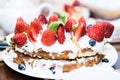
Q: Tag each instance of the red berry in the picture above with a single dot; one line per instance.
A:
(100, 30)
(31, 36)
(96, 32)
(48, 37)
(108, 28)
(66, 6)
(20, 39)
(76, 3)
(42, 19)
(53, 18)
(82, 22)
(21, 26)
(69, 9)
(68, 25)
(61, 35)
(35, 26)
(78, 32)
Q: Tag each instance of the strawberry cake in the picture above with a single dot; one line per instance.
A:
(73, 9)
(58, 45)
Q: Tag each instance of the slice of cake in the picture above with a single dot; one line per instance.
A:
(58, 45)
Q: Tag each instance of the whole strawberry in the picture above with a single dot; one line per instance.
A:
(42, 19)
(108, 28)
(53, 18)
(20, 39)
(48, 37)
(100, 30)
(96, 32)
(21, 26)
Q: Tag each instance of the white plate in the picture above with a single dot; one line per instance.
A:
(110, 51)
(93, 73)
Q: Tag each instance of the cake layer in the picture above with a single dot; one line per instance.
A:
(64, 65)
(64, 55)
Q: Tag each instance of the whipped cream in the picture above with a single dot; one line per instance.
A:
(58, 48)
(55, 48)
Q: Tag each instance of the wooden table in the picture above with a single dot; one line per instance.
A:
(117, 46)
(7, 73)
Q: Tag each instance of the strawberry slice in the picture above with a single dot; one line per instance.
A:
(82, 21)
(108, 28)
(53, 18)
(69, 9)
(68, 25)
(31, 36)
(34, 30)
(35, 26)
(96, 32)
(48, 38)
(21, 26)
(78, 32)
(42, 19)
(20, 39)
(61, 35)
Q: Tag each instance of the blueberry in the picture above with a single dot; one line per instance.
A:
(21, 67)
(105, 60)
(52, 69)
(92, 42)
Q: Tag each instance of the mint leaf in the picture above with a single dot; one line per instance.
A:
(54, 26)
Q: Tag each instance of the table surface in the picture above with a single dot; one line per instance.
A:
(7, 73)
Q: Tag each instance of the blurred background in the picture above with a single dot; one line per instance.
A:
(92, 10)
